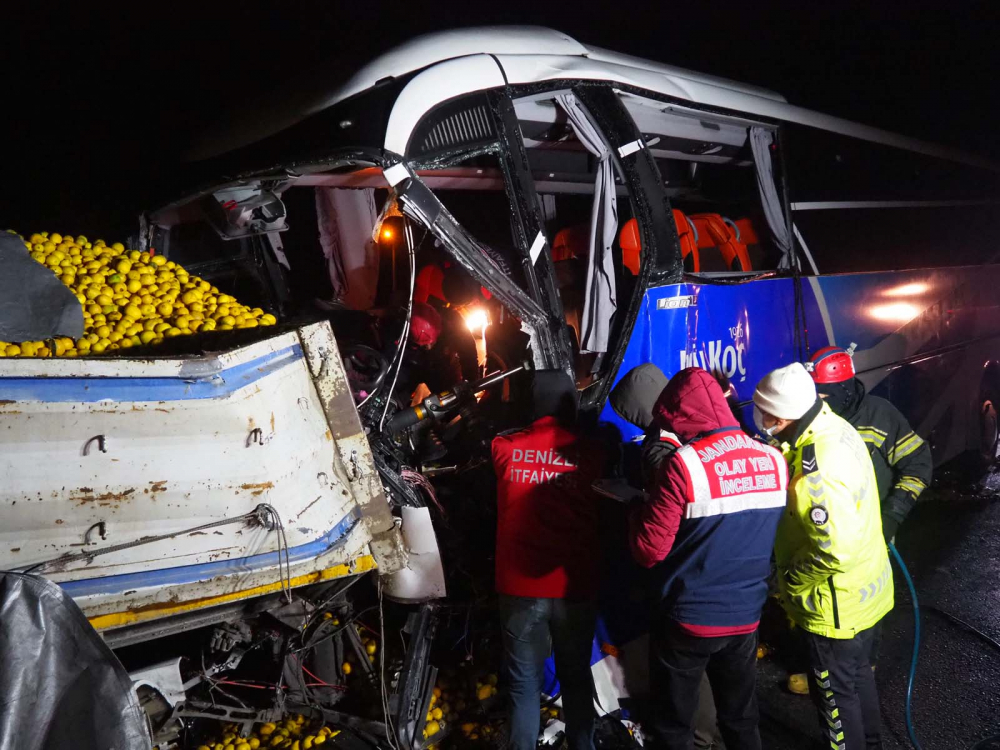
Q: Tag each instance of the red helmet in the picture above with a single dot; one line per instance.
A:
(425, 324)
(832, 364)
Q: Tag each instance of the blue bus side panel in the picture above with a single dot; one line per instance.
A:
(942, 324)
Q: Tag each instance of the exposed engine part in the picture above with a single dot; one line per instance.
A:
(226, 637)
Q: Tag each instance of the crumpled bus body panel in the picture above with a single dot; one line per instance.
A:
(121, 475)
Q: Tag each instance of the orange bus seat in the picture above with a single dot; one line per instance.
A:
(571, 242)
(631, 245)
(715, 231)
(747, 232)
(687, 235)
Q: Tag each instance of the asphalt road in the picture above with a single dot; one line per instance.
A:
(951, 544)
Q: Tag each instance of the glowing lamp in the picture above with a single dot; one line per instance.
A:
(476, 319)
(895, 312)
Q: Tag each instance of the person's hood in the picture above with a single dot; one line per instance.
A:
(635, 394)
(553, 394)
(692, 404)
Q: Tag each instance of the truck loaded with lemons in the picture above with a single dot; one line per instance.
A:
(208, 483)
(199, 478)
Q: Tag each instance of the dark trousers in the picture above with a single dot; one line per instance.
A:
(843, 690)
(676, 665)
(532, 629)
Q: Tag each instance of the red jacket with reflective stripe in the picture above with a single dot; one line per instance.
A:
(709, 525)
(547, 526)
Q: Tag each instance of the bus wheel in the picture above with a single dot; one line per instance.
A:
(989, 430)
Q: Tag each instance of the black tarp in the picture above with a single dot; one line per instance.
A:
(34, 304)
(61, 687)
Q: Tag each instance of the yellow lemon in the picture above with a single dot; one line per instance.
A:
(13, 350)
(208, 325)
(158, 260)
(133, 285)
(227, 320)
(165, 309)
(267, 319)
(146, 336)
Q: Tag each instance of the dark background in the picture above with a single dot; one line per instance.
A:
(101, 102)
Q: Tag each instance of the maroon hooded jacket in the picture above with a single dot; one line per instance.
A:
(711, 518)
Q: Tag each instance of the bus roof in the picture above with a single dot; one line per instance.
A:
(427, 50)
(448, 64)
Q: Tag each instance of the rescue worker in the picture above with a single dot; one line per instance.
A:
(708, 527)
(633, 399)
(546, 568)
(833, 567)
(453, 355)
(902, 460)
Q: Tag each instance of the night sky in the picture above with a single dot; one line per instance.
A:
(102, 103)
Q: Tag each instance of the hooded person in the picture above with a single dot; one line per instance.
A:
(547, 561)
(707, 531)
(833, 567)
(633, 398)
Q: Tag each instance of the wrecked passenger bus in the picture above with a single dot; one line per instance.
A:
(595, 211)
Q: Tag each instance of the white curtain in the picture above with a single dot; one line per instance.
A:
(600, 300)
(760, 143)
(346, 220)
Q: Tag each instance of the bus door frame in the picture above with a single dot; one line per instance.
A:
(660, 261)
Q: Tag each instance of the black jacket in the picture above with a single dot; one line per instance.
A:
(902, 460)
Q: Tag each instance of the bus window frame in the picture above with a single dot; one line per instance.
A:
(781, 173)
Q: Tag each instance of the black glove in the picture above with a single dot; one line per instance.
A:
(889, 527)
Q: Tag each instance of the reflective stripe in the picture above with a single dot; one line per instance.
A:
(705, 505)
(905, 447)
(912, 485)
(736, 504)
(872, 438)
(872, 428)
(696, 473)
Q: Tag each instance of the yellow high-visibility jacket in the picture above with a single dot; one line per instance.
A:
(833, 565)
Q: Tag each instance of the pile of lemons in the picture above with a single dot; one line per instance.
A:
(129, 298)
(452, 697)
(290, 734)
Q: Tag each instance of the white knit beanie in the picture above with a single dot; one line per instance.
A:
(786, 393)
